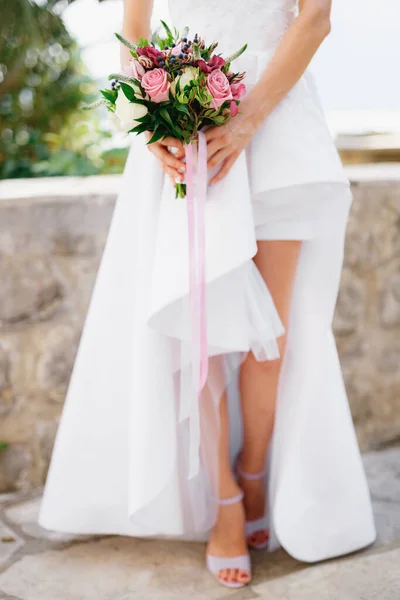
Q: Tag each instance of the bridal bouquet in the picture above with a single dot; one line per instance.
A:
(175, 87)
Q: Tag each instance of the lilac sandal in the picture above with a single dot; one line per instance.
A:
(257, 525)
(215, 564)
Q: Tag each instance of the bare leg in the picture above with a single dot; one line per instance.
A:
(277, 262)
(228, 537)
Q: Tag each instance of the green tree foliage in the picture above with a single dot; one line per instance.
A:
(43, 82)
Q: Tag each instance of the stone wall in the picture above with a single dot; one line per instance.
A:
(52, 235)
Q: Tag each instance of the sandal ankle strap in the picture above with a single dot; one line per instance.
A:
(249, 476)
(233, 500)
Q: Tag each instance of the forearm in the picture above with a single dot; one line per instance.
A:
(136, 24)
(289, 62)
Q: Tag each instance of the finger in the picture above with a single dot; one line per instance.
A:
(226, 167)
(218, 158)
(213, 146)
(214, 132)
(172, 161)
(172, 174)
(169, 159)
(176, 150)
(171, 141)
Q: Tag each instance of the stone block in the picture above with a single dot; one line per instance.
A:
(114, 568)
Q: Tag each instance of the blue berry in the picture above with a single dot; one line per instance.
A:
(184, 39)
(180, 72)
(173, 45)
(180, 55)
(159, 58)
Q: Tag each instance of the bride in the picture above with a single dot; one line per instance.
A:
(267, 456)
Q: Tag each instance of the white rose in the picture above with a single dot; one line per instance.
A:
(127, 112)
(189, 73)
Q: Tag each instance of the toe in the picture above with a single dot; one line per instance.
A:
(258, 538)
(262, 536)
(243, 576)
(223, 575)
(231, 575)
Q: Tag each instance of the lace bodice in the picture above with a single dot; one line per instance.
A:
(259, 23)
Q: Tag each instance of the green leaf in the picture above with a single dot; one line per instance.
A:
(185, 31)
(182, 108)
(108, 95)
(167, 29)
(145, 119)
(126, 43)
(143, 42)
(157, 135)
(236, 54)
(120, 77)
(182, 98)
(196, 52)
(165, 115)
(139, 128)
(93, 105)
(128, 91)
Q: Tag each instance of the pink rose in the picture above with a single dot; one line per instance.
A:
(219, 88)
(156, 84)
(233, 107)
(238, 90)
(134, 69)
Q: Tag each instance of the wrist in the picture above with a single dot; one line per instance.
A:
(250, 108)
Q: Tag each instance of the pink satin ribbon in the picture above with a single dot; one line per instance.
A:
(196, 193)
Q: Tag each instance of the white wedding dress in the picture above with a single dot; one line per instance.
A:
(135, 452)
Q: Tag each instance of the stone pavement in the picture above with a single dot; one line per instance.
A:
(37, 565)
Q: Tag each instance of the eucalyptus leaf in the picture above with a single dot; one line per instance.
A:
(121, 77)
(94, 105)
(236, 54)
(126, 43)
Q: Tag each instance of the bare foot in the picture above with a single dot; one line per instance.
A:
(227, 539)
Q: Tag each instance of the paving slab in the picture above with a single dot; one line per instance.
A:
(383, 472)
(10, 497)
(10, 543)
(114, 569)
(25, 515)
(360, 577)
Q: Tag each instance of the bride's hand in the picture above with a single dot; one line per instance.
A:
(170, 162)
(226, 142)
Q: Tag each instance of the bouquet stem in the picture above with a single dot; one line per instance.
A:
(180, 190)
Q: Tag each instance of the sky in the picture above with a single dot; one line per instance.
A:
(357, 67)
